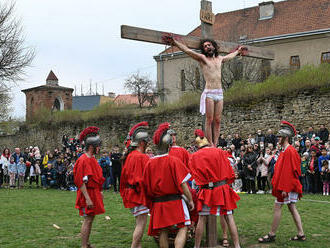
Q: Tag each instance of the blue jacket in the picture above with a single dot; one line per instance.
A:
(105, 162)
(12, 168)
(21, 168)
(16, 157)
(321, 159)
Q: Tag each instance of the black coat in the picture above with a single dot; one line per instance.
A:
(250, 159)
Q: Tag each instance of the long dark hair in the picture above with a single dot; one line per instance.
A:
(3, 153)
(214, 44)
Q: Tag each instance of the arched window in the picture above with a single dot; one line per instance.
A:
(58, 104)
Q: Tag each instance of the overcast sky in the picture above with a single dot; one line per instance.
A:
(80, 39)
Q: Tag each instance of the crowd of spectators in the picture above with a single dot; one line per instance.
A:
(53, 169)
(253, 160)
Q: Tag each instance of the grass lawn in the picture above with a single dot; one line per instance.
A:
(27, 217)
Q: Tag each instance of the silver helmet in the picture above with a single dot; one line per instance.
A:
(163, 137)
(139, 133)
(286, 130)
(94, 141)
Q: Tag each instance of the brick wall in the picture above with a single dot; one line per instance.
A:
(45, 98)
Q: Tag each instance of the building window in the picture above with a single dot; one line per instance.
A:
(197, 78)
(295, 62)
(183, 81)
(325, 57)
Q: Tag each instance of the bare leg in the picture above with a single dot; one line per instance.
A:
(275, 224)
(224, 228)
(233, 230)
(209, 119)
(218, 107)
(296, 218)
(199, 230)
(86, 230)
(181, 237)
(163, 239)
(277, 218)
(141, 221)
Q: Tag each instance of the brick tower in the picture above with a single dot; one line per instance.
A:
(49, 96)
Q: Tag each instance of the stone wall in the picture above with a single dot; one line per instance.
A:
(303, 109)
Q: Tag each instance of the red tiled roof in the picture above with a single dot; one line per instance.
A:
(128, 99)
(291, 16)
(52, 76)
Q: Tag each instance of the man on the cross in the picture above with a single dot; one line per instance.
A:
(212, 98)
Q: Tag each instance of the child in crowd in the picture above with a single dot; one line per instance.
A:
(34, 173)
(238, 183)
(21, 168)
(325, 176)
(304, 166)
(12, 169)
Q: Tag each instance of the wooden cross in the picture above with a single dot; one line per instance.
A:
(153, 36)
(207, 20)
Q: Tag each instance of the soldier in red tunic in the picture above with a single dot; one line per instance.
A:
(89, 179)
(165, 179)
(131, 181)
(212, 172)
(286, 185)
(178, 151)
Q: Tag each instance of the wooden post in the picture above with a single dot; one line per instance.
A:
(207, 33)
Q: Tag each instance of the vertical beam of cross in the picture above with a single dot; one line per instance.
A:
(207, 33)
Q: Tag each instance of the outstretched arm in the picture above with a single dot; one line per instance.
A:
(170, 40)
(241, 50)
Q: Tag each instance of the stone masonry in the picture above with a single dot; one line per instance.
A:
(309, 108)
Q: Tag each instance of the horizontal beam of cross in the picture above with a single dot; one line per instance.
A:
(153, 36)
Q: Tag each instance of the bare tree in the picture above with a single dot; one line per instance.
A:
(14, 56)
(142, 87)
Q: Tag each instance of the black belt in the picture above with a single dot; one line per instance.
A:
(167, 198)
(212, 185)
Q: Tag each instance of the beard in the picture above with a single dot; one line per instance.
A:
(209, 53)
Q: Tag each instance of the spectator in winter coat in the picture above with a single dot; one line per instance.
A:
(12, 169)
(250, 167)
(105, 164)
(323, 134)
(21, 168)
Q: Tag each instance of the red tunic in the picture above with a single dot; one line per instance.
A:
(132, 175)
(286, 173)
(212, 165)
(181, 154)
(89, 167)
(164, 175)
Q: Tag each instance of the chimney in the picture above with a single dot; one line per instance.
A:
(111, 94)
(266, 10)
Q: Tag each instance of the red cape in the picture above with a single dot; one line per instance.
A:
(86, 166)
(164, 175)
(286, 173)
(132, 173)
(212, 165)
(181, 154)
